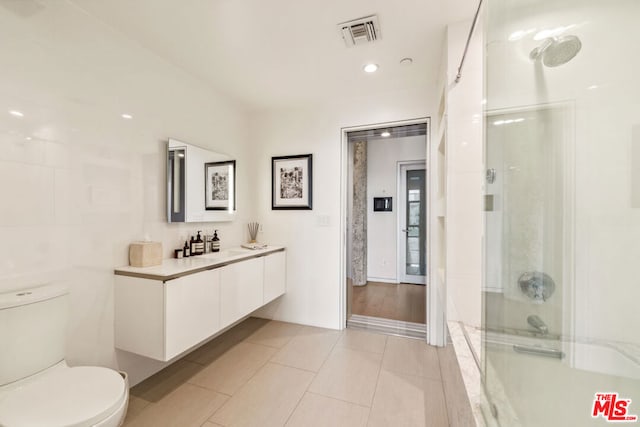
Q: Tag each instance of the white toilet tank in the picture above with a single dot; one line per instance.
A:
(32, 331)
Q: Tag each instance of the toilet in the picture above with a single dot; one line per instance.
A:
(37, 387)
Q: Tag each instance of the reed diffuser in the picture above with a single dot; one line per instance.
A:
(253, 231)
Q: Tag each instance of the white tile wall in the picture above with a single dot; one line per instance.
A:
(87, 182)
(464, 178)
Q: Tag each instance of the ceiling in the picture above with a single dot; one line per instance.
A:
(284, 53)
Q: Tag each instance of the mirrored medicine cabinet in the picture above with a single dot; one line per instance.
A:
(200, 184)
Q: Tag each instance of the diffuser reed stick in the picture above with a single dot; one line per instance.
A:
(253, 231)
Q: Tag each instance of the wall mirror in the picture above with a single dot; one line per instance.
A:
(201, 184)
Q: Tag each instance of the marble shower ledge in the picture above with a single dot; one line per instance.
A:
(174, 268)
(470, 372)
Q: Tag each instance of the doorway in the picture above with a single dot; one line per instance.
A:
(385, 224)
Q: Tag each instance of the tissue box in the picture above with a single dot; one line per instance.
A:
(145, 254)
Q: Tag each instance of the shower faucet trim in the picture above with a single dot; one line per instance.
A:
(535, 321)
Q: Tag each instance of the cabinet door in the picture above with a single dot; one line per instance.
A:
(274, 276)
(241, 289)
(139, 316)
(192, 310)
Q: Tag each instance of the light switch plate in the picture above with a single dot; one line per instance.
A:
(323, 220)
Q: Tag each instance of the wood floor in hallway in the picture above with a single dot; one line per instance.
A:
(402, 301)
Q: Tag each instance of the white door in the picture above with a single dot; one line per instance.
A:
(412, 221)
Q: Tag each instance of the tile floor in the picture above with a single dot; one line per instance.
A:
(268, 373)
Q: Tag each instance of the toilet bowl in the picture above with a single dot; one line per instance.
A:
(63, 396)
(36, 393)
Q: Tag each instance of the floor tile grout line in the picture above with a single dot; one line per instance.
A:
(293, 411)
(267, 345)
(333, 346)
(248, 339)
(444, 393)
(243, 384)
(228, 397)
(239, 388)
(275, 363)
(338, 399)
(315, 375)
(292, 367)
(375, 388)
(212, 390)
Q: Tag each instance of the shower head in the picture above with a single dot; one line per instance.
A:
(556, 51)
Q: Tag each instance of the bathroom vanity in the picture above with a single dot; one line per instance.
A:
(162, 311)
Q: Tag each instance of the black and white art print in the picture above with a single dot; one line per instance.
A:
(219, 186)
(291, 181)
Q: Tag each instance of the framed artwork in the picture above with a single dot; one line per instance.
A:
(220, 186)
(291, 182)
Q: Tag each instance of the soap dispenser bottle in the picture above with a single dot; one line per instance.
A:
(193, 247)
(199, 244)
(215, 242)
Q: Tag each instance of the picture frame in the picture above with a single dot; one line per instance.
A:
(292, 182)
(220, 186)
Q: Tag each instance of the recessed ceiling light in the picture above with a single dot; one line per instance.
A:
(127, 116)
(370, 68)
(592, 87)
(406, 61)
(16, 113)
(28, 138)
(385, 134)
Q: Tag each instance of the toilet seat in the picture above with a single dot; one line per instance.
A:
(71, 397)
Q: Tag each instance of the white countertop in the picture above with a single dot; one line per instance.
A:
(173, 268)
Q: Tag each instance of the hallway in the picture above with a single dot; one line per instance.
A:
(403, 301)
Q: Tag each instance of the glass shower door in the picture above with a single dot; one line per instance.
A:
(562, 213)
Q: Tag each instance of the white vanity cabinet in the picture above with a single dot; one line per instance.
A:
(275, 270)
(161, 312)
(192, 310)
(162, 319)
(241, 290)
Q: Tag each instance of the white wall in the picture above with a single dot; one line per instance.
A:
(313, 257)
(464, 176)
(87, 183)
(600, 84)
(383, 156)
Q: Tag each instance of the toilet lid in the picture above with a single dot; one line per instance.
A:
(72, 397)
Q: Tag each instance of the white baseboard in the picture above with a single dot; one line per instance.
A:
(382, 280)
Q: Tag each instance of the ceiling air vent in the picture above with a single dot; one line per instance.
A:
(360, 31)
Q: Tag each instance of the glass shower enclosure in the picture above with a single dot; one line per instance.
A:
(561, 291)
